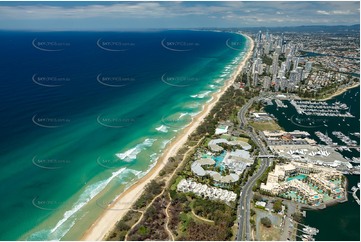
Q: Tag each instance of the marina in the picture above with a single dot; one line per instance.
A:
(345, 139)
(350, 144)
(325, 138)
(347, 213)
(324, 109)
(307, 232)
(280, 104)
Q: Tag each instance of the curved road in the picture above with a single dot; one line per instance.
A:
(244, 228)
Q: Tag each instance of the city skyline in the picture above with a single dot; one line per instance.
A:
(145, 15)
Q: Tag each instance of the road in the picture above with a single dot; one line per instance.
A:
(244, 228)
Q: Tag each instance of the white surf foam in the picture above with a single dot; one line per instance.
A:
(132, 153)
(164, 143)
(162, 128)
(201, 95)
(89, 193)
(182, 115)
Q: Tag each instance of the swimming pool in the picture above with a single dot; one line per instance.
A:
(219, 160)
(298, 177)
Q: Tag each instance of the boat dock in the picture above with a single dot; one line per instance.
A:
(307, 232)
(344, 138)
(280, 104)
(324, 109)
(354, 191)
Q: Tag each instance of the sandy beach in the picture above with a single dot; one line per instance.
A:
(340, 92)
(106, 222)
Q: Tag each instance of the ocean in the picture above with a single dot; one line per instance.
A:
(340, 221)
(86, 114)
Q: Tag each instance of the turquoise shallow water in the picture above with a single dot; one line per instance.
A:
(71, 149)
(298, 177)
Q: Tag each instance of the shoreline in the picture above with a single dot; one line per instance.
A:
(108, 219)
(339, 92)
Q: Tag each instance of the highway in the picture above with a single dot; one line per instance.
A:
(244, 228)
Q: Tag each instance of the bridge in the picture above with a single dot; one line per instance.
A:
(266, 156)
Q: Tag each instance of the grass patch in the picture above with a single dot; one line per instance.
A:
(265, 125)
(269, 234)
(242, 139)
(174, 185)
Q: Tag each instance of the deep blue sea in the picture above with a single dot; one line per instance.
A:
(86, 114)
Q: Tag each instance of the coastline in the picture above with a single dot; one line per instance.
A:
(339, 92)
(108, 219)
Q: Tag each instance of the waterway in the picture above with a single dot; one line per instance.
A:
(340, 221)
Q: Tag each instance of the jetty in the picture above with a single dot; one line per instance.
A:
(354, 191)
(280, 104)
(324, 109)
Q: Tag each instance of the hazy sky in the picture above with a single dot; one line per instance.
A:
(130, 15)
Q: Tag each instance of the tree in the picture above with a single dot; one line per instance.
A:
(123, 226)
(143, 230)
(277, 206)
(297, 217)
(257, 197)
(266, 222)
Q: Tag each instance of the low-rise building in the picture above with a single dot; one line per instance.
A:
(203, 190)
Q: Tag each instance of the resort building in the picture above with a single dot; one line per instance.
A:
(309, 182)
(202, 190)
(221, 129)
(197, 169)
(234, 161)
(213, 144)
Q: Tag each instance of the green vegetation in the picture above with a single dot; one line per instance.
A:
(265, 125)
(150, 227)
(266, 222)
(187, 227)
(277, 206)
(225, 109)
(123, 226)
(297, 217)
(257, 197)
(266, 60)
(152, 189)
(263, 178)
(325, 91)
(184, 208)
